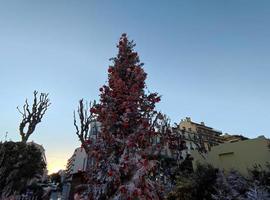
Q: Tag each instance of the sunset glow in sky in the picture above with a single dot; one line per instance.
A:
(208, 59)
(56, 162)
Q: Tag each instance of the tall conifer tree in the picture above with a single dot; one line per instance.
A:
(121, 155)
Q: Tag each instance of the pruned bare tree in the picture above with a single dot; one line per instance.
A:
(86, 117)
(32, 116)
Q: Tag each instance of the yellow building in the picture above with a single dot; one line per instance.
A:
(233, 138)
(207, 136)
(240, 156)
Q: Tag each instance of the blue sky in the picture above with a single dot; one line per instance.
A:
(208, 59)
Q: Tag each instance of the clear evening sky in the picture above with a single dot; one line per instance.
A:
(208, 59)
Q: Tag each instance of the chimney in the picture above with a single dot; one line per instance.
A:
(202, 123)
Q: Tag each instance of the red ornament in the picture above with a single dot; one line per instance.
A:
(145, 124)
(158, 99)
(136, 192)
(110, 70)
(93, 110)
(126, 158)
(88, 141)
(125, 124)
(130, 144)
(123, 189)
(145, 163)
(110, 173)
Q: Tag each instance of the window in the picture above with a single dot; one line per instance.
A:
(225, 154)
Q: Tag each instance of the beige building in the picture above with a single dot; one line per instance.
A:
(190, 141)
(77, 162)
(201, 134)
(233, 138)
(239, 156)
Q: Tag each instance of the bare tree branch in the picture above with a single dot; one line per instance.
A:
(32, 117)
(85, 120)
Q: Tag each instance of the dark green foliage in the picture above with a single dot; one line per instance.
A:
(55, 178)
(186, 165)
(230, 186)
(35, 189)
(261, 176)
(185, 190)
(19, 164)
(233, 186)
(209, 183)
(205, 176)
(256, 192)
(195, 186)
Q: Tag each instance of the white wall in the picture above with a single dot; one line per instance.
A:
(79, 160)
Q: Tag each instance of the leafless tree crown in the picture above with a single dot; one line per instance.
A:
(85, 117)
(32, 116)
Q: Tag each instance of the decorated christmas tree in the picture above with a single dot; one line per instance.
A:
(123, 160)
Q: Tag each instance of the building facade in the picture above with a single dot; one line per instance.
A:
(77, 162)
(205, 136)
(240, 156)
(233, 138)
(196, 136)
(189, 141)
